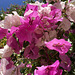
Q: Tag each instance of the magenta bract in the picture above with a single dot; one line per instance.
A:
(65, 62)
(3, 32)
(61, 45)
(49, 70)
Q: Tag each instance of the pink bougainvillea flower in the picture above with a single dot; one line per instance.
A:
(29, 65)
(12, 42)
(31, 7)
(37, 3)
(44, 5)
(52, 34)
(38, 32)
(65, 24)
(2, 23)
(12, 31)
(3, 32)
(47, 23)
(11, 63)
(59, 5)
(13, 70)
(11, 20)
(49, 70)
(61, 45)
(23, 34)
(56, 15)
(3, 70)
(31, 52)
(6, 51)
(28, 13)
(50, 18)
(25, 31)
(70, 11)
(65, 62)
(69, 0)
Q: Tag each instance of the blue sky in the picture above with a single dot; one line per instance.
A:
(6, 3)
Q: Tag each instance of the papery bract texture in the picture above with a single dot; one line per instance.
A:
(71, 11)
(31, 7)
(49, 70)
(12, 42)
(3, 33)
(65, 24)
(25, 31)
(10, 64)
(31, 52)
(2, 24)
(65, 62)
(12, 20)
(60, 5)
(61, 45)
(6, 51)
(13, 70)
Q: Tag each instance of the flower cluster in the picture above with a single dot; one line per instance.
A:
(39, 37)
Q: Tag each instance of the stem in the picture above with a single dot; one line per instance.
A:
(17, 70)
(54, 54)
(47, 55)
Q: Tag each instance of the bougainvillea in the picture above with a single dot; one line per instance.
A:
(41, 41)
